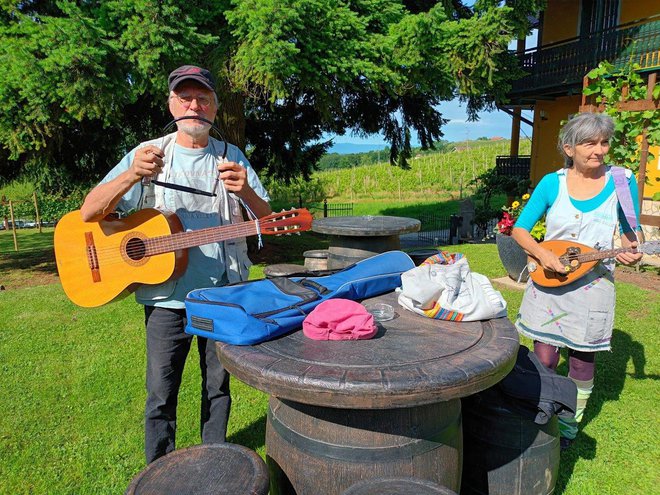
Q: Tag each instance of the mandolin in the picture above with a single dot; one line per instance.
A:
(99, 261)
(578, 260)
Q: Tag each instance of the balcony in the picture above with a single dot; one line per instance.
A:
(557, 69)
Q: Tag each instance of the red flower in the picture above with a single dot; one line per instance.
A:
(505, 226)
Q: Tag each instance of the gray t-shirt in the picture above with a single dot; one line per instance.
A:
(196, 168)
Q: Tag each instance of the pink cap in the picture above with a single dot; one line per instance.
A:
(339, 319)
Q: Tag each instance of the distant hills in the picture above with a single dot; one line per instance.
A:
(351, 148)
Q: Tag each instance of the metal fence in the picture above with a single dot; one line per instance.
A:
(513, 165)
(438, 229)
(566, 62)
(434, 229)
(328, 209)
(337, 209)
(486, 233)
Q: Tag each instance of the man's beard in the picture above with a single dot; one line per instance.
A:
(195, 131)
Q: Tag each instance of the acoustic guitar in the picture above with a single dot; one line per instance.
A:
(99, 261)
(578, 260)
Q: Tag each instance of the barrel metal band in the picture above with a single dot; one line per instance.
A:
(413, 448)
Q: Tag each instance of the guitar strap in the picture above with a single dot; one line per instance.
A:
(623, 194)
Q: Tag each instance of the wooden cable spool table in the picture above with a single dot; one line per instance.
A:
(355, 238)
(344, 411)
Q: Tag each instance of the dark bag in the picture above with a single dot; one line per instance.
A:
(537, 392)
(256, 311)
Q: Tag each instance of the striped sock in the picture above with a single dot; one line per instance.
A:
(584, 389)
(568, 428)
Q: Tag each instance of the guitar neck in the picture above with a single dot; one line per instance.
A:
(184, 240)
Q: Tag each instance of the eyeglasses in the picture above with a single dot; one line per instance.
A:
(202, 100)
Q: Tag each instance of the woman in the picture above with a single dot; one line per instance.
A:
(580, 204)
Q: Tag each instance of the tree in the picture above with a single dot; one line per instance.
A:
(83, 82)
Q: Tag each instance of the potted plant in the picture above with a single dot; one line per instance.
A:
(513, 257)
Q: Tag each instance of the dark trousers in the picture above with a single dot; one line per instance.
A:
(167, 348)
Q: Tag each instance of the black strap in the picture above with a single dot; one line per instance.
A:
(187, 189)
(315, 285)
(178, 187)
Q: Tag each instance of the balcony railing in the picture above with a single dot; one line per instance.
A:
(564, 64)
(513, 165)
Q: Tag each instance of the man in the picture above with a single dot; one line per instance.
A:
(193, 159)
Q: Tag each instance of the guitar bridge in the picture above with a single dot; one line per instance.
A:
(92, 257)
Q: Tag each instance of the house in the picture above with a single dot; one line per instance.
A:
(574, 36)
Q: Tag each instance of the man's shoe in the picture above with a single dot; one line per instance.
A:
(564, 443)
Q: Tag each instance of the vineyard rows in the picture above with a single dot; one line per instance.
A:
(430, 174)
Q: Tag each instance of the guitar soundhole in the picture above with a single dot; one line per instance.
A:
(135, 249)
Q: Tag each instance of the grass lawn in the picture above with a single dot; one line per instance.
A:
(72, 391)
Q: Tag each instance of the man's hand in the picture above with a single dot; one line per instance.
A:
(148, 162)
(234, 176)
(629, 258)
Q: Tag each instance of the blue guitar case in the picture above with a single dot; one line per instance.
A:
(255, 311)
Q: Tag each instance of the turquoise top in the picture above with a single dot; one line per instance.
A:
(546, 192)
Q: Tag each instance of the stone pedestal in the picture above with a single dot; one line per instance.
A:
(513, 257)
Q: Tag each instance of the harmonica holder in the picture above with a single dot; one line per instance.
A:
(148, 180)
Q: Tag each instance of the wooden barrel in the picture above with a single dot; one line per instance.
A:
(504, 452)
(419, 255)
(353, 250)
(214, 469)
(316, 259)
(398, 486)
(336, 448)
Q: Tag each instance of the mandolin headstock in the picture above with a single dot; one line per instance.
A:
(651, 247)
(286, 222)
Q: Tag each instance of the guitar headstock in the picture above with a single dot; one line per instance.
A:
(286, 222)
(651, 247)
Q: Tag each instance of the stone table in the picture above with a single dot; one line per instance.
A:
(355, 238)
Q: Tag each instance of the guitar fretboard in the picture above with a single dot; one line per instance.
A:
(184, 240)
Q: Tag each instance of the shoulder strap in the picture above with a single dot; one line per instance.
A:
(623, 194)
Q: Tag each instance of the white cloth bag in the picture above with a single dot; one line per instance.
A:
(450, 292)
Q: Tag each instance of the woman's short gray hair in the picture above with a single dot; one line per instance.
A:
(581, 128)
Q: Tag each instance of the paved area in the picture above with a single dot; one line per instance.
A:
(508, 283)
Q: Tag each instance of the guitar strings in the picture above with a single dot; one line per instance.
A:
(154, 246)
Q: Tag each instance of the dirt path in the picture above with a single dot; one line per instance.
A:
(646, 279)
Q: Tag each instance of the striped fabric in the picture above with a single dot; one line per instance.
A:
(437, 312)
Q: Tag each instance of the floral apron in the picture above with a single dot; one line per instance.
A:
(579, 315)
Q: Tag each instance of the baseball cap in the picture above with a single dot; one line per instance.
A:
(202, 76)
